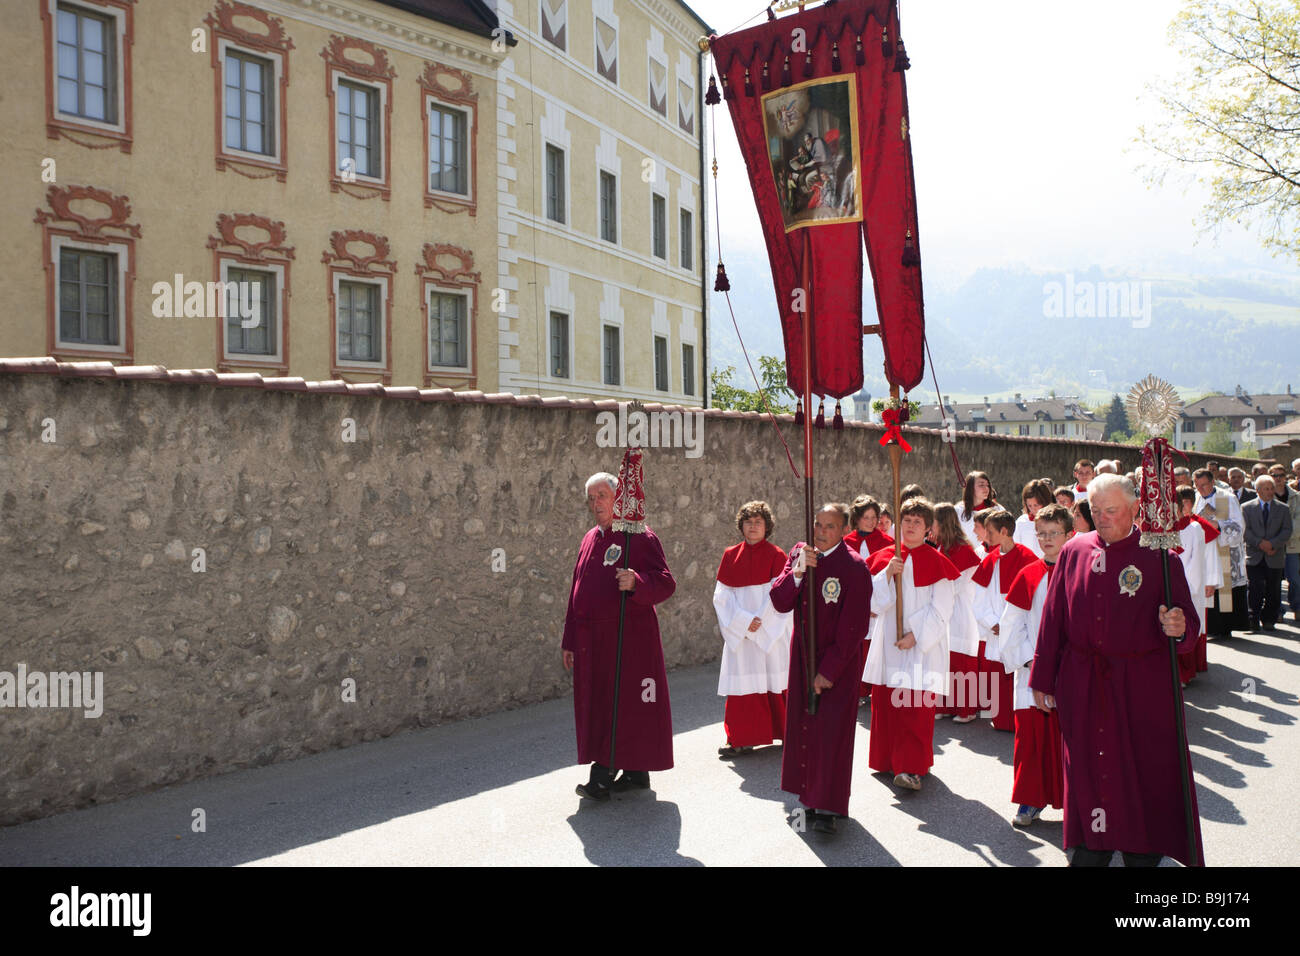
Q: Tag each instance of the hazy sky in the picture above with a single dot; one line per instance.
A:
(1024, 118)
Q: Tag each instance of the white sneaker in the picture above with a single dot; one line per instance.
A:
(908, 781)
(1025, 815)
(964, 720)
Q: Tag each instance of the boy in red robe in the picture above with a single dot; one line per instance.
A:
(866, 539)
(1039, 776)
(756, 638)
(1200, 558)
(817, 762)
(645, 720)
(993, 580)
(909, 671)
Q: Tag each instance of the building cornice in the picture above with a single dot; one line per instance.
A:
(396, 30)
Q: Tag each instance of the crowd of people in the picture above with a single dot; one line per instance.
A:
(1050, 621)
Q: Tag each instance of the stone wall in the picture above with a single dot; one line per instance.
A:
(327, 560)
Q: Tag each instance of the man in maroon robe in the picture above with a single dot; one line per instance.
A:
(645, 721)
(817, 763)
(1102, 661)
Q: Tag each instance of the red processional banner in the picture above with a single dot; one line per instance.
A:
(819, 103)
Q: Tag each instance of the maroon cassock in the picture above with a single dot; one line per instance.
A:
(817, 763)
(645, 720)
(1103, 655)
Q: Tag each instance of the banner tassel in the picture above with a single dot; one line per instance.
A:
(910, 256)
(749, 84)
(722, 283)
(798, 413)
(858, 56)
(901, 62)
(785, 71)
(807, 64)
(835, 57)
(767, 80)
(838, 423)
(820, 420)
(711, 97)
(886, 48)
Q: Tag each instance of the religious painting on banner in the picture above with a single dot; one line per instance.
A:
(811, 131)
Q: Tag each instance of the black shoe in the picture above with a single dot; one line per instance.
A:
(1270, 627)
(822, 822)
(631, 780)
(1254, 624)
(598, 785)
(726, 753)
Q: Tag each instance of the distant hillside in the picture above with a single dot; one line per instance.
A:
(998, 333)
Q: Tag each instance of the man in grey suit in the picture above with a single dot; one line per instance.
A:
(1267, 531)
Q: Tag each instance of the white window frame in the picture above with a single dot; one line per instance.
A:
(694, 368)
(431, 289)
(382, 137)
(655, 339)
(568, 192)
(277, 357)
(618, 207)
(622, 355)
(468, 111)
(123, 253)
(118, 16)
(665, 258)
(569, 358)
(688, 241)
(277, 74)
(381, 333)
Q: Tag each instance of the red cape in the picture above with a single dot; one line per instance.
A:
(876, 540)
(744, 565)
(928, 565)
(1009, 565)
(962, 557)
(1026, 583)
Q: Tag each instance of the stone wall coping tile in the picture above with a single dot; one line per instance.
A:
(287, 383)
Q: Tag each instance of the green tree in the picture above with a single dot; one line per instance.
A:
(1116, 420)
(1218, 438)
(1231, 118)
(728, 395)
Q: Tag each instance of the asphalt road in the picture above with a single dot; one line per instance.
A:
(499, 790)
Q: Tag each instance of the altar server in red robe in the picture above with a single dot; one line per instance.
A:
(756, 637)
(1038, 776)
(866, 539)
(909, 671)
(977, 495)
(645, 721)
(817, 762)
(1204, 572)
(962, 699)
(1103, 663)
(993, 579)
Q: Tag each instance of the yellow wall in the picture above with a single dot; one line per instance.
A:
(176, 191)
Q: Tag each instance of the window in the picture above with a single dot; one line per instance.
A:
(661, 363)
(1189, 426)
(559, 345)
(448, 331)
(1058, 429)
(611, 361)
(1270, 422)
(359, 322)
(86, 54)
(688, 369)
(1023, 430)
(658, 226)
(256, 293)
(554, 183)
(358, 130)
(608, 207)
(687, 239)
(88, 297)
(249, 104)
(990, 429)
(448, 167)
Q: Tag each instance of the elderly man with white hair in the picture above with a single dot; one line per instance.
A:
(1102, 662)
(645, 721)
